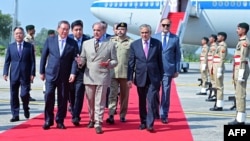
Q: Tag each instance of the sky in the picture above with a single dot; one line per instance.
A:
(47, 13)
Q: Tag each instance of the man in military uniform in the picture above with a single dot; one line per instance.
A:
(51, 33)
(119, 74)
(212, 48)
(203, 65)
(241, 73)
(218, 70)
(30, 30)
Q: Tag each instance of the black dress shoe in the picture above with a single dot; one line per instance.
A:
(110, 120)
(14, 119)
(235, 122)
(150, 129)
(32, 99)
(211, 99)
(142, 126)
(76, 121)
(216, 109)
(91, 124)
(47, 125)
(164, 121)
(199, 93)
(60, 126)
(27, 113)
(98, 130)
(123, 119)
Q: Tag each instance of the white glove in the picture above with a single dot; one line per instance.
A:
(219, 72)
(241, 75)
(203, 67)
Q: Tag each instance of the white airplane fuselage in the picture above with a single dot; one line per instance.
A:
(213, 16)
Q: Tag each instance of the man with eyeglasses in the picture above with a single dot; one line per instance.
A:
(171, 57)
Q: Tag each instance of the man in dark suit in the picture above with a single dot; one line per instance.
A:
(59, 54)
(145, 61)
(171, 57)
(77, 88)
(21, 64)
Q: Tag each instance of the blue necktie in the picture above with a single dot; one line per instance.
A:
(79, 44)
(164, 41)
(20, 49)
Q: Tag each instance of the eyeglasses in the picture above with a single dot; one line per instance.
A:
(167, 25)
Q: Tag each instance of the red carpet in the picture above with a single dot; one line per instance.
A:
(176, 130)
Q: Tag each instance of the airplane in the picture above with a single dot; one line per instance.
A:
(193, 19)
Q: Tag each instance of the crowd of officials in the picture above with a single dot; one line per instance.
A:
(103, 68)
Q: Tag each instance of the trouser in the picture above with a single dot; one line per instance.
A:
(124, 95)
(96, 95)
(62, 100)
(14, 96)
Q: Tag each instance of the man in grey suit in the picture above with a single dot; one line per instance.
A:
(99, 56)
(145, 69)
(171, 57)
(20, 65)
(58, 56)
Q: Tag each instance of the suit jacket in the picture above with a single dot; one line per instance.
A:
(171, 55)
(84, 38)
(58, 66)
(95, 74)
(145, 67)
(21, 67)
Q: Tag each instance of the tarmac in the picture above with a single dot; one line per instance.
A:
(205, 125)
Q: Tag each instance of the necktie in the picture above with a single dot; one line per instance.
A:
(96, 45)
(61, 47)
(20, 49)
(164, 45)
(146, 49)
(79, 44)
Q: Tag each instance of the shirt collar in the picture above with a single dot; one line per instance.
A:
(60, 39)
(164, 34)
(20, 43)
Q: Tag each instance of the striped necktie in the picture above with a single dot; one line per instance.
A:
(96, 45)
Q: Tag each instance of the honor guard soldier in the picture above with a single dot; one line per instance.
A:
(119, 74)
(203, 65)
(218, 70)
(212, 49)
(241, 73)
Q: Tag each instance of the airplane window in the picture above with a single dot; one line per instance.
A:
(130, 4)
(106, 4)
(244, 3)
(136, 4)
(238, 4)
(146, 4)
(220, 3)
(116, 4)
(126, 4)
(157, 4)
(120, 4)
(214, 3)
(152, 4)
(232, 3)
(111, 4)
(141, 4)
(226, 3)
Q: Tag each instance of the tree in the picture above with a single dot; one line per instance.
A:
(5, 25)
